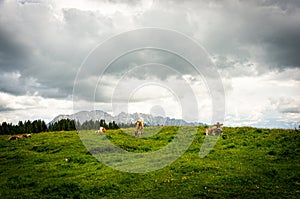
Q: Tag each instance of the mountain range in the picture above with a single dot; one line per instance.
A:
(125, 118)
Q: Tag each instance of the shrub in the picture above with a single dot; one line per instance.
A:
(259, 131)
(224, 136)
(272, 153)
(245, 144)
(258, 145)
(241, 131)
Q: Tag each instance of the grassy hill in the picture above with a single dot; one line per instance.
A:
(245, 163)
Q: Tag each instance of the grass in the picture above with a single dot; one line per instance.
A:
(245, 163)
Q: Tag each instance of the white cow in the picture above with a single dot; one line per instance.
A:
(101, 129)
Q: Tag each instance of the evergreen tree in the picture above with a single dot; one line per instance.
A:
(21, 129)
(44, 126)
(114, 125)
(4, 128)
(28, 126)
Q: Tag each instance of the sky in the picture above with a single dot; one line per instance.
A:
(232, 61)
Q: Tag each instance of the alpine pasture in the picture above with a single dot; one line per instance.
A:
(245, 163)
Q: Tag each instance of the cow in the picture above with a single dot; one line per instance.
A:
(215, 130)
(16, 137)
(101, 129)
(27, 135)
(139, 128)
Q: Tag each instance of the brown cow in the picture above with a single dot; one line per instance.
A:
(215, 130)
(16, 137)
(101, 129)
(139, 128)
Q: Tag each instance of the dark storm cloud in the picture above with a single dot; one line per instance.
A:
(145, 58)
(275, 28)
(43, 44)
(287, 5)
(44, 51)
(12, 51)
(266, 32)
(285, 47)
(48, 50)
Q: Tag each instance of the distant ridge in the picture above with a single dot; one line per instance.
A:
(125, 118)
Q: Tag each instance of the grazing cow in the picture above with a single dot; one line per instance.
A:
(27, 135)
(139, 128)
(16, 137)
(215, 130)
(101, 129)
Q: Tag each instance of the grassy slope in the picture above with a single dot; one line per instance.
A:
(245, 163)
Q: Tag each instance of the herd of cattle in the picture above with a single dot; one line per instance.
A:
(216, 129)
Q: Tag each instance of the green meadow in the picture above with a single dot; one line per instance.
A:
(245, 163)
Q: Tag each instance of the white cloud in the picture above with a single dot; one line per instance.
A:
(32, 107)
(263, 101)
(175, 95)
(254, 44)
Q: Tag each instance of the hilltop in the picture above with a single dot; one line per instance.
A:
(245, 163)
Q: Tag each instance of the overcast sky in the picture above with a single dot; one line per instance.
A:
(45, 47)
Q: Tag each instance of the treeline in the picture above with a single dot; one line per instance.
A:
(25, 127)
(62, 125)
(91, 124)
(38, 126)
(70, 125)
(122, 125)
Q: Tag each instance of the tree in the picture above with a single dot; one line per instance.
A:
(63, 125)
(44, 126)
(4, 128)
(28, 126)
(21, 127)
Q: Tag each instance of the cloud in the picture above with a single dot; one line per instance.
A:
(254, 45)
(12, 52)
(286, 104)
(264, 101)
(266, 33)
(62, 34)
(30, 107)
(131, 93)
(40, 47)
